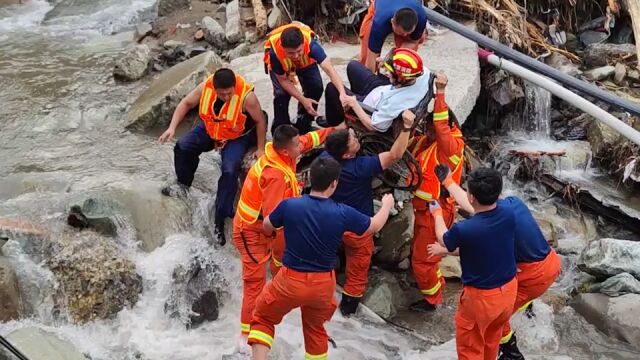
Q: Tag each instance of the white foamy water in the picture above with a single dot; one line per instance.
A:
(23, 17)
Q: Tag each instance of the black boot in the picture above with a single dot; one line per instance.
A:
(349, 304)
(177, 190)
(422, 306)
(510, 351)
(529, 311)
(220, 232)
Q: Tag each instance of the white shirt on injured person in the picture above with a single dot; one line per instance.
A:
(390, 102)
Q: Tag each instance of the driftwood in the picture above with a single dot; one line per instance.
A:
(261, 17)
(536, 154)
(581, 197)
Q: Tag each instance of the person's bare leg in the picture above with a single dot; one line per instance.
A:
(259, 352)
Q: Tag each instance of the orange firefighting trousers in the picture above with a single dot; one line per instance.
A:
(358, 251)
(289, 289)
(533, 280)
(480, 317)
(426, 267)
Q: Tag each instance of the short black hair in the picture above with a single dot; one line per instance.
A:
(337, 143)
(224, 78)
(291, 38)
(324, 171)
(485, 184)
(283, 134)
(406, 18)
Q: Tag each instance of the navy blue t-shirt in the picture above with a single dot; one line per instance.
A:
(354, 186)
(486, 243)
(316, 52)
(384, 12)
(313, 229)
(531, 246)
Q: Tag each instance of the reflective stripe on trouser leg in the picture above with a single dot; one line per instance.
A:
(308, 356)
(260, 337)
(505, 339)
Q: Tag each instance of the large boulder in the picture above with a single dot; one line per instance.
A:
(133, 64)
(384, 296)
(617, 285)
(608, 257)
(548, 230)
(167, 7)
(156, 105)
(95, 279)
(615, 316)
(602, 138)
(233, 26)
(394, 242)
(10, 299)
(37, 344)
(600, 54)
(214, 33)
(275, 18)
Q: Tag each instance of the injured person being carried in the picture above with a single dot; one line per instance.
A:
(401, 84)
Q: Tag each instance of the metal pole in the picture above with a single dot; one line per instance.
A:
(563, 93)
(531, 64)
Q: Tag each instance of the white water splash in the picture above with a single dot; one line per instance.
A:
(27, 16)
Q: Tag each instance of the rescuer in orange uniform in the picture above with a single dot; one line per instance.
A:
(228, 109)
(313, 226)
(485, 243)
(537, 262)
(443, 144)
(269, 181)
(293, 50)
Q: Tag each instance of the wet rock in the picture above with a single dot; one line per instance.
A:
(395, 238)
(240, 50)
(592, 37)
(600, 73)
(602, 138)
(562, 63)
(608, 257)
(577, 155)
(30, 236)
(504, 89)
(10, 297)
(173, 44)
(199, 289)
(214, 33)
(251, 37)
(548, 230)
(634, 75)
(275, 18)
(143, 30)
(133, 64)
(450, 267)
(37, 344)
(620, 73)
(233, 26)
(167, 7)
(101, 215)
(617, 285)
(9, 2)
(155, 106)
(95, 279)
(613, 316)
(384, 296)
(574, 129)
(599, 54)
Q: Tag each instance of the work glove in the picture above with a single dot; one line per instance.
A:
(443, 173)
(435, 209)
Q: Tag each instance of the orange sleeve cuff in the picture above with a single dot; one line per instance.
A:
(440, 104)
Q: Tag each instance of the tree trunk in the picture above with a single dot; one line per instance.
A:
(261, 17)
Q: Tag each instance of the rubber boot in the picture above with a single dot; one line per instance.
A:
(510, 351)
(422, 306)
(220, 232)
(349, 305)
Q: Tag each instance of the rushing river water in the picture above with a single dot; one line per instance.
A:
(62, 137)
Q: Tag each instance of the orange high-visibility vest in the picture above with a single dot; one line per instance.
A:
(250, 203)
(429, 189)
(229, 123)
(274, 42)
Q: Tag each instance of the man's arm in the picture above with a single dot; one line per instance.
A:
(365, 119)
(187, 103)
(447, 143)
(267, 226)
(289, 87)
(275, 219)
(333, 76)
(443, 173)
(253, 108)
(388, 158)
(313, 139)
(380, 218)
(371, 63)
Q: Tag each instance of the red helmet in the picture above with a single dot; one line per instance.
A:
(404, 63)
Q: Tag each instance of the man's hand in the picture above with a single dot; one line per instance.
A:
(349, 101)
(167, 136)
(435, 209)
(442, 171)
(259, 152)
(308, 103)
(437, 250)
(388, 201)
(343, 99)
(441, 81)
(341, 126)
(408, 117)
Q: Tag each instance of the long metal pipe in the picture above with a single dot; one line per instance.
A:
(531, 64)
(563, 93)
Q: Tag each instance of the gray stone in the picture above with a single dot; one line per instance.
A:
(608, 257)
(30, 236)
(143, 29)
(600, 54)
(395, 238)
(155, 106)
(133, 64)
(617, 285)
(251, 37)
(562, 63)
(620, 73)
(600, 73)
(10, 298)
(616, 317)
(633, 74)
(592, 37)
(275, 18)
(37, 344)
(450, 267)
(233, 26)
(384, 295)
(577, 155)
(173, 44)
(240, 50)
(548, 230)
(167, 7)
(214, 33)
(602, 138)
